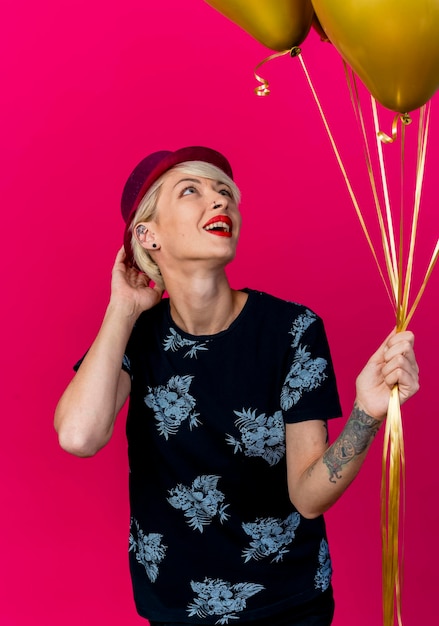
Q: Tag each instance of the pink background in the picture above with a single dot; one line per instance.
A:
(88, 88)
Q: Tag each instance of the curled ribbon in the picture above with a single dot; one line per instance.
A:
(404, 118)
(263, 89)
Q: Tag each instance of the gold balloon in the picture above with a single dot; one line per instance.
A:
(278, 24)
(392, 45)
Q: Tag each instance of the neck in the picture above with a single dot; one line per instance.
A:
(204, 305)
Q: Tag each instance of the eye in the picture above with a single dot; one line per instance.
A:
(226, 192)
(188, 191)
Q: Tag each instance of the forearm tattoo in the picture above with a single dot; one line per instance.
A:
(357, 435)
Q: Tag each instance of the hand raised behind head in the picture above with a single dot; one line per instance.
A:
(393, 363)
(131, 289)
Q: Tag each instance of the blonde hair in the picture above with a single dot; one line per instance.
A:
(147, 210)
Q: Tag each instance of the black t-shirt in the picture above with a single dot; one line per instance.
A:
(214, 538)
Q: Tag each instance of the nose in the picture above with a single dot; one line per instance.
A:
(220, 202)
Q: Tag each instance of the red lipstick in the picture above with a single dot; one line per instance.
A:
(220, 225)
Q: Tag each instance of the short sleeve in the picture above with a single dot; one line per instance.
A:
(126, 363)
(309, 390)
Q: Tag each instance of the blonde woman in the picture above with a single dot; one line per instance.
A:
(229, 394)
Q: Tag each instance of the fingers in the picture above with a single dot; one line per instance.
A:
(395, 339)
(121, 255)
(135, 278)
(395, 344)
(132, 276)
(400, 347)
(393, 363)
(119, 266)
(400, 371)
(400, 366)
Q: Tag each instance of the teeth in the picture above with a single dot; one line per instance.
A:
(217, 225)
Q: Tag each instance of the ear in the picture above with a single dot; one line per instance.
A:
(146, 236)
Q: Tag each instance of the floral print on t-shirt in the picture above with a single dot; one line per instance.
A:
(200, 502)
(270, 536)
(149, 549)
(174, 341)
(323, 576)
(218, 597)
(260, 435)
(172, 405)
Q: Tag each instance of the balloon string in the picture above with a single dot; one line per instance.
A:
(433, 261)
(343, 169)
(393, 477)
(404, 118)
(424, 123)
(401, 314)
(356, 104)
(393, 439)
(264, 89)
(393, 263)
(393, 472)
(392, 481)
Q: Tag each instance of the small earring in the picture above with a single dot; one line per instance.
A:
(154, 245)
(140, 230)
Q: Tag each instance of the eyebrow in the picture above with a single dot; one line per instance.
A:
(184, 180)
(196, 180)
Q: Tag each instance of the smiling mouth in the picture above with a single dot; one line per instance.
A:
(220, 225)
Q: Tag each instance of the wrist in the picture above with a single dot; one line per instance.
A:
(122, 312)
(368, 412)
